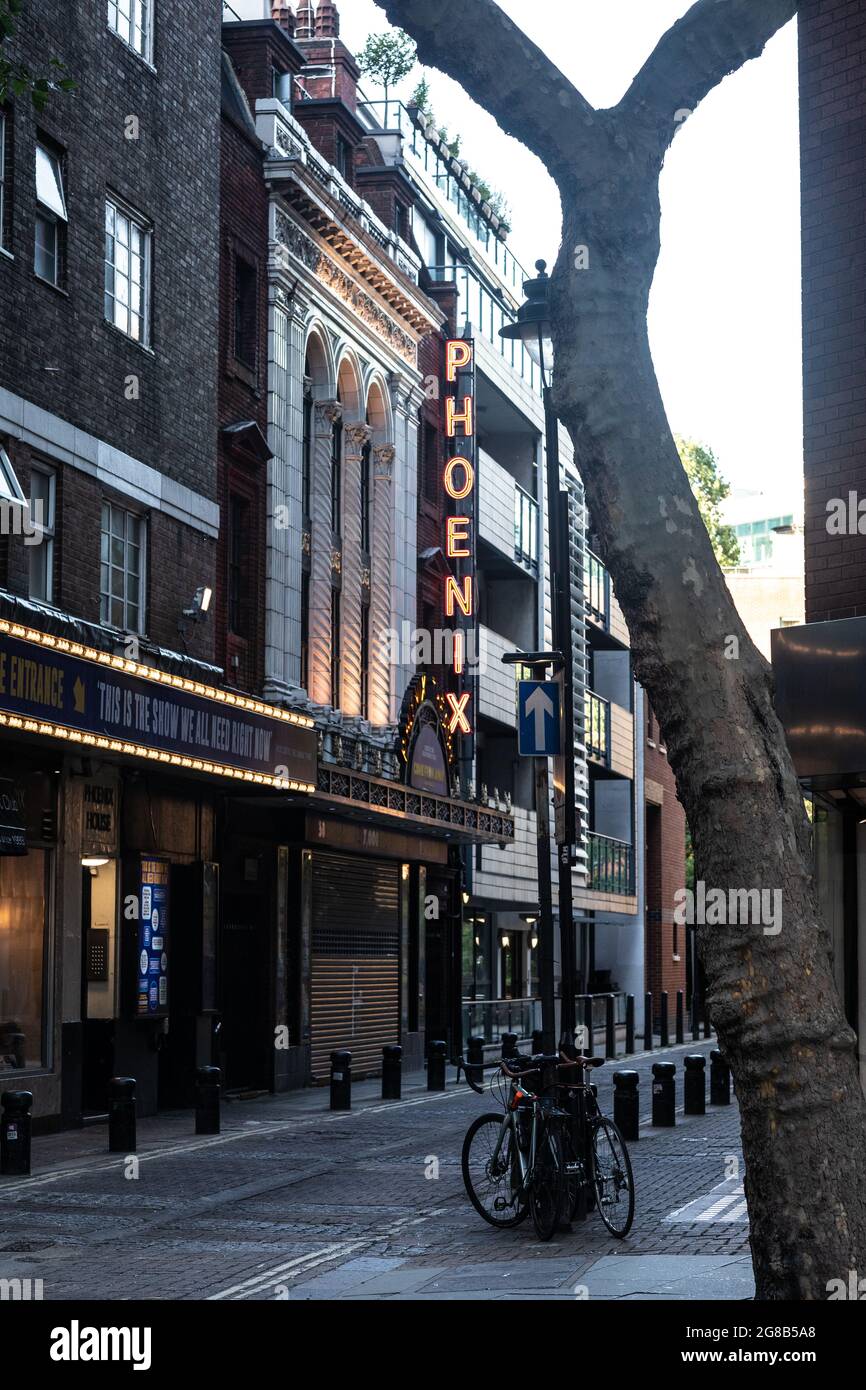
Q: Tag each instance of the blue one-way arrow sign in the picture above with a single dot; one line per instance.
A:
(538, 719)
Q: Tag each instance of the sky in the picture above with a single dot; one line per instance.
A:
(725, 322)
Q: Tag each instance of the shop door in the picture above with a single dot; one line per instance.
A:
(355, 979)
(99, 981)
(245, 979)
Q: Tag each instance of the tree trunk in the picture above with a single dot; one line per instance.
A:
(772, 994)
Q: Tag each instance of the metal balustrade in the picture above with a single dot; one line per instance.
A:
(610, 865)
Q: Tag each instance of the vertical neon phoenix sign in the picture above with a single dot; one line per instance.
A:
(459, 481)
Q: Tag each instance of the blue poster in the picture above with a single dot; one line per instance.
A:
(153, 915)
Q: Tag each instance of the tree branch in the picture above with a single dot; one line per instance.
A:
(714, 38)
(476, 43)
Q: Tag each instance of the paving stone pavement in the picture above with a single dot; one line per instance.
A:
(295, 1201)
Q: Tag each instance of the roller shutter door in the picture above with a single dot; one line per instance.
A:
(355, 965)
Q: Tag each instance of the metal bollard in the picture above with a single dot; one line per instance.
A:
(609, 1028)
(15, 1129)
(681, 1017)
(696, 1018)
(720, 1079)
(121, 1115)
(475, 1053)
(436, 1066)
(392, 1071)
(629, 1023)
(626, 1102)
(665, 1025)
(207, 1100)
(509, 1044)
(589, 1026)
(341, 1080)
(647, 1023)
(664, 1095)
(695, 1084)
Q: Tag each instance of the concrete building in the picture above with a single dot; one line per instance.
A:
(768, 583)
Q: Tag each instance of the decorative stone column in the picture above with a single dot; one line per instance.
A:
(326, 414)
(286, 338)
(381, 606)
(355, 436)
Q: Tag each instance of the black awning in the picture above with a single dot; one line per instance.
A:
(12, 837)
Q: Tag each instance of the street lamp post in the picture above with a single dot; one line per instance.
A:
(533, 328)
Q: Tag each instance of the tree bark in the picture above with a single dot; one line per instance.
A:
(772, 996)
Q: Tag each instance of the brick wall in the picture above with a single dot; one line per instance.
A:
(833, 138)
(155, 403)
(169, 175)
(243, 396)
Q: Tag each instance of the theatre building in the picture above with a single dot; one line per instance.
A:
(321, 388)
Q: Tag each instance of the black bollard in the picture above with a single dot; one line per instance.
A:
(121, 1115)
(392, 1071)
(341, 1080)
(626, 1103)
(475, 1053)
(664, 1095)
(15, 1133)
(696, 1018)
(629, 1024)
(695, 1084)
(589, 1026)
(720, 1079)
(609, 1027)
(665, 1026)
(509, 1044)
(537, 1041)
(436, 1066)
(207, 1100)
(648, 1023)
(681, 1017)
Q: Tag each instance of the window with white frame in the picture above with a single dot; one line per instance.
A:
(10, 488)
(132, 21)
(127, 271)
(121, 571)
(51, 216)
(42, 512)
(3, 180)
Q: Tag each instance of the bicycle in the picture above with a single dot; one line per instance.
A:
(542, 1160)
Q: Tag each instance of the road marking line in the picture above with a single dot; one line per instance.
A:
(292, 1269)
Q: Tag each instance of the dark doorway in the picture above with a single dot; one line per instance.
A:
(245, 967)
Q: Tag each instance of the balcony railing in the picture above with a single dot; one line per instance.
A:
(610, 865)
(597, 727)
(597, 586)
(394, 116)
(525, 529)
(487, 313)
(490, 1018)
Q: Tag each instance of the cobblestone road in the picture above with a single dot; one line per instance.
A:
(293, 1201)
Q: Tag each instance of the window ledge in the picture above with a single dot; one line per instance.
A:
(8, 254)
(58, 289)
(128, 48)
(125, 337)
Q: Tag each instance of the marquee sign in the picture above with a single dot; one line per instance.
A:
(61, 689)
(459, 481)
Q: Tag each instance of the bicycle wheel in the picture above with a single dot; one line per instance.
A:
(493, 1188)
(612, 1177)
(546, 1192)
